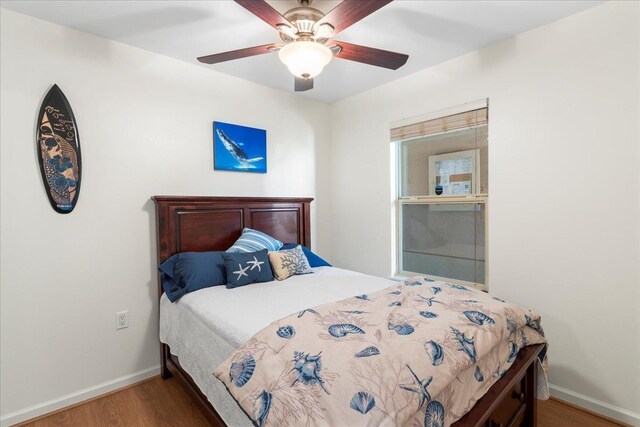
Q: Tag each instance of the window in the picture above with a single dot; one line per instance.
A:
(442, 192)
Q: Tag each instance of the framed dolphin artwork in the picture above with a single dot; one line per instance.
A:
(239, 148)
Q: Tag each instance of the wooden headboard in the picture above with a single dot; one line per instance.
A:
(186, 223)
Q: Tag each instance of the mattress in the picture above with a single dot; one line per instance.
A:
(205, 327)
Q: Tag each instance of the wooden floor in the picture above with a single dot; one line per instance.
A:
(164, 403)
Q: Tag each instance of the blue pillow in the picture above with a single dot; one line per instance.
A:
(253, 241)
(243, 269)
(314, 260)
(189, 271)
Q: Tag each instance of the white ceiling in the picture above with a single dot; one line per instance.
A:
(431, 32)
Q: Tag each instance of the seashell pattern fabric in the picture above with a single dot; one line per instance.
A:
(286, 332)
(367, 361)
(241, 370)
(434, 351)
(343, 329)
(363, 402)
(368, 352)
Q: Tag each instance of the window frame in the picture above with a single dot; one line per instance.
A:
(399, 201)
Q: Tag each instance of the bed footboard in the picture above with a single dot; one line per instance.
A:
(512, 400)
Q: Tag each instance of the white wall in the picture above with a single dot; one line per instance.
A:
(145, 129)
(564, 162)
(563, 110)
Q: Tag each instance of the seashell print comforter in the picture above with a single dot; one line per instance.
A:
(417, 353)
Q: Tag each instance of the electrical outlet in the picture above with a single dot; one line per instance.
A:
(122, 320)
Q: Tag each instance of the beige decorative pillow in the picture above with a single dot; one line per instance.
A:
(288, 262)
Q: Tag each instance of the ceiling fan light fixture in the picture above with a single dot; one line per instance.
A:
(305, 59)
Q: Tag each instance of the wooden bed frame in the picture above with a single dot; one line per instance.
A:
(186, 223)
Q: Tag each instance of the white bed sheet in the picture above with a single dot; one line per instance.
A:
(205, 327)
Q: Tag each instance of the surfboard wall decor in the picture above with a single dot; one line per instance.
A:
(58, 145)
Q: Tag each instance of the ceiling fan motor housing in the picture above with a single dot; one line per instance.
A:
(304, 19)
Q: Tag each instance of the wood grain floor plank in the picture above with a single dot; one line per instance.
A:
(555, 413)
(108, 411)
(158, 403)
(149, 396)
(168, 400)
(79, 415)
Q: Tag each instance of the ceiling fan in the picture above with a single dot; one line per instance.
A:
(307, 35)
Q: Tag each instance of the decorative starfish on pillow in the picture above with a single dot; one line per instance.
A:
(255, 263)
(241, 272)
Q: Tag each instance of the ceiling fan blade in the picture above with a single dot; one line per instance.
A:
(349, 12)
(302, 85)
(370, 55)
(240, 53)
(264, 11)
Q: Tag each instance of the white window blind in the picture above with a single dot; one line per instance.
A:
(453, 122)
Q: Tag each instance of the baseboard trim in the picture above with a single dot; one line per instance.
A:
(76, 397)
(595, 405)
